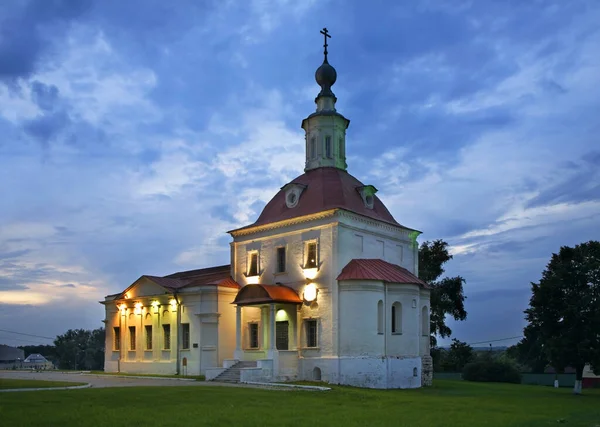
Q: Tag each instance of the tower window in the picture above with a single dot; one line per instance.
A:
(328, 147)
(311, 255)
(313, 148)
(253, 264)
(341, 147)
(281, 259)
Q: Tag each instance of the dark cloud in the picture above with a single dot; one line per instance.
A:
(45, 96)
(29, 28)
(47, 127)
(581, 183)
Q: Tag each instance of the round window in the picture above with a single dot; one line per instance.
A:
(369, 200)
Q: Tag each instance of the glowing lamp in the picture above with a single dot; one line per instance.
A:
(122, 308)
(173, 303)
(127, 295)
(310, 292)
(138, 308)
(155, 305)
(310, 273)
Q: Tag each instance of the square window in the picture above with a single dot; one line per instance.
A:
(281, 259)
(117, 338)
(185, 335)
(311, 333)
(253, 264)
(148, 329)
(167, 337)
(311, 255)
(132, 338)
(253, 330)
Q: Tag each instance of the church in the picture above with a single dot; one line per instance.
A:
(323, 286)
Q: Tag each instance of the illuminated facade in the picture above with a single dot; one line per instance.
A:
(323, 286)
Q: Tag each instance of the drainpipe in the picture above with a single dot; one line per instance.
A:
(120, 341)
(178, 332)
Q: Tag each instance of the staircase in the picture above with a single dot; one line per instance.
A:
(232, 375)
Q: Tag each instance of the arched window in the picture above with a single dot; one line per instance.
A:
(328, 147)
(396, 318)
(380, 317)
(313, 147)
(425, 321)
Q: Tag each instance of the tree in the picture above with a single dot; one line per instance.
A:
(565, 309)
(80, 349)
(529, 352)
(458, 356)
(447, 295)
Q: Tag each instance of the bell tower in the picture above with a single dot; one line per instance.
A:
(326, 128)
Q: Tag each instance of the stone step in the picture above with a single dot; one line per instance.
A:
(232, 374)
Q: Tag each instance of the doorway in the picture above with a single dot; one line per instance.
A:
(282, 335)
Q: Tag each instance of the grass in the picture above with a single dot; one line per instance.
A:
(8, 383)
(448, 404)
(188, 377)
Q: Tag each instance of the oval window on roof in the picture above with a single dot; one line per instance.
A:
(291, 199)
(369, 201)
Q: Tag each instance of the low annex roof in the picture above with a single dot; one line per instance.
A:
(378, 269)
(265, 294)
(215, 276)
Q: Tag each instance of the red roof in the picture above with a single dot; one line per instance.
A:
(211, 276)
(326, 188)
(378, 269)
(265, 294)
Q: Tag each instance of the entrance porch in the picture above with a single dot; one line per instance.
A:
(267, 332)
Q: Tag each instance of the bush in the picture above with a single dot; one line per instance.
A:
(491, 371)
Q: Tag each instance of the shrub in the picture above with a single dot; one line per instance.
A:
(491, 371)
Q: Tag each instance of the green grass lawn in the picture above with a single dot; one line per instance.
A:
(8, 383)
(448, 404)
(189, 377)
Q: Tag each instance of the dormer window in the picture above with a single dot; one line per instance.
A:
(292, 194)
(367, 193)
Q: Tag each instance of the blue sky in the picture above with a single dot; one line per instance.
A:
(134, 134)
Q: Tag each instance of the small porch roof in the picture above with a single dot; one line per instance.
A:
(266, 294)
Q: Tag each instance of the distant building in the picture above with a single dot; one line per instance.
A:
(10, 354)
(589, 378)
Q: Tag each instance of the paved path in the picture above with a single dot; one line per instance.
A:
(99, 381)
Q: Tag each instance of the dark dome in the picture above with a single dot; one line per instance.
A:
(325, 75)
(326, 188)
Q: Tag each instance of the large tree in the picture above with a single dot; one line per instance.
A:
(529, 352)
(447, 295)
(564, 309)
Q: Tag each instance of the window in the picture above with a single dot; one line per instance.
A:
(253, 264)
(281, 259)
(117, 338)
(424, 321)
(311, 333)
(253, 331)
(328, 147)
(311, 255)
(341, 147)
(167, 337)
(396, 318)
(148, 329)
(185, 335)
(132, 338)
(380, 317)
(313, 146)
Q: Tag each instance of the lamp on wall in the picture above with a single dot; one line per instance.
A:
(173, 303)
(310, 292)
(138, 308)
(310, 273)
(155, 304)
(122, 308)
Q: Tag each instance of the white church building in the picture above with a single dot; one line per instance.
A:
(323, 286)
